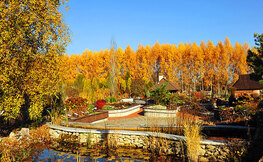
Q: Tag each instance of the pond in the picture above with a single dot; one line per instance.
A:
(51, 155)
(119, 154)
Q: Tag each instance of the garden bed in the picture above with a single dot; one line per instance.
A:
(152, 112)
(124, 111)
(119, 106)
(242, 115)
(92, 117)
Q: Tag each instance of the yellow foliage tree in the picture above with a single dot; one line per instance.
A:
(33, 36)
(190, 66)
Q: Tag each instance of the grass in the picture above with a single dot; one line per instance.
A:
(55, 117)
(193, 138)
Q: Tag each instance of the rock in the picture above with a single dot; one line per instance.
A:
(216, 153)
(12, 135)
(54, 134)
(139, 145)
(24, 132)
(209, 153)
(203, 159)
(210, 147)
(223, 153)
(212, 158)
(82, 138)
(142, 102)
(201, 151)
(130, 100)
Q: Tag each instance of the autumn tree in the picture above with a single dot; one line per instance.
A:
(210, 60)
(181, 67)
(190, 66)
(196, 58)
(33, 36)
(112, 68)
(138, 87)
(223, 68)
(156, 60)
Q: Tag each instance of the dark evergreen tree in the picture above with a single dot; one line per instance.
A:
(255, 58)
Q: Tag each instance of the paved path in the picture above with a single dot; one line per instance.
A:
(135, 120)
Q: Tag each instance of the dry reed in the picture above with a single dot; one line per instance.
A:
(112, 140)
(22, 149)
(193, 138)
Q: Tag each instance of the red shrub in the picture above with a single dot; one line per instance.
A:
(100, 104)
(197, 95)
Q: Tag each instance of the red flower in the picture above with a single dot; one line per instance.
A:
(100, 104)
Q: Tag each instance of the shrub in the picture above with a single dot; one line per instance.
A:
(100, 104)
(107, 100)
(75, 102)
(161, 95)
(158, 107)
(197, 95)
(91, 109)
(108, 107)
(183, 96)
(80, 110)
(40, 134)
(236, 150)
(111, 99)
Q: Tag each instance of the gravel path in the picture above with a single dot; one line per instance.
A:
(137, 122)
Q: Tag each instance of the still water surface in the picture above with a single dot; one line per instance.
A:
(48, 155)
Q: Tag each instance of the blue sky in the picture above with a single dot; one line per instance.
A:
(94, 23)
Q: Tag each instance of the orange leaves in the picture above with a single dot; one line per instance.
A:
(191, 66)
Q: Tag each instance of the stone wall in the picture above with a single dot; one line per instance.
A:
(161, 142)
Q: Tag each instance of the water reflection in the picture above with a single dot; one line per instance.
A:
(49, 155)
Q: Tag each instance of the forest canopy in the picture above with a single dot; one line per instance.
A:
(190, 66)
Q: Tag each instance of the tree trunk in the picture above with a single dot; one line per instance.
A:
(194, 86)
(202, 84)
(226, 91)
(219, 89)
(211, 88)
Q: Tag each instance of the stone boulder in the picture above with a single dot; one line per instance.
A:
(24, 132)
(130, 100)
